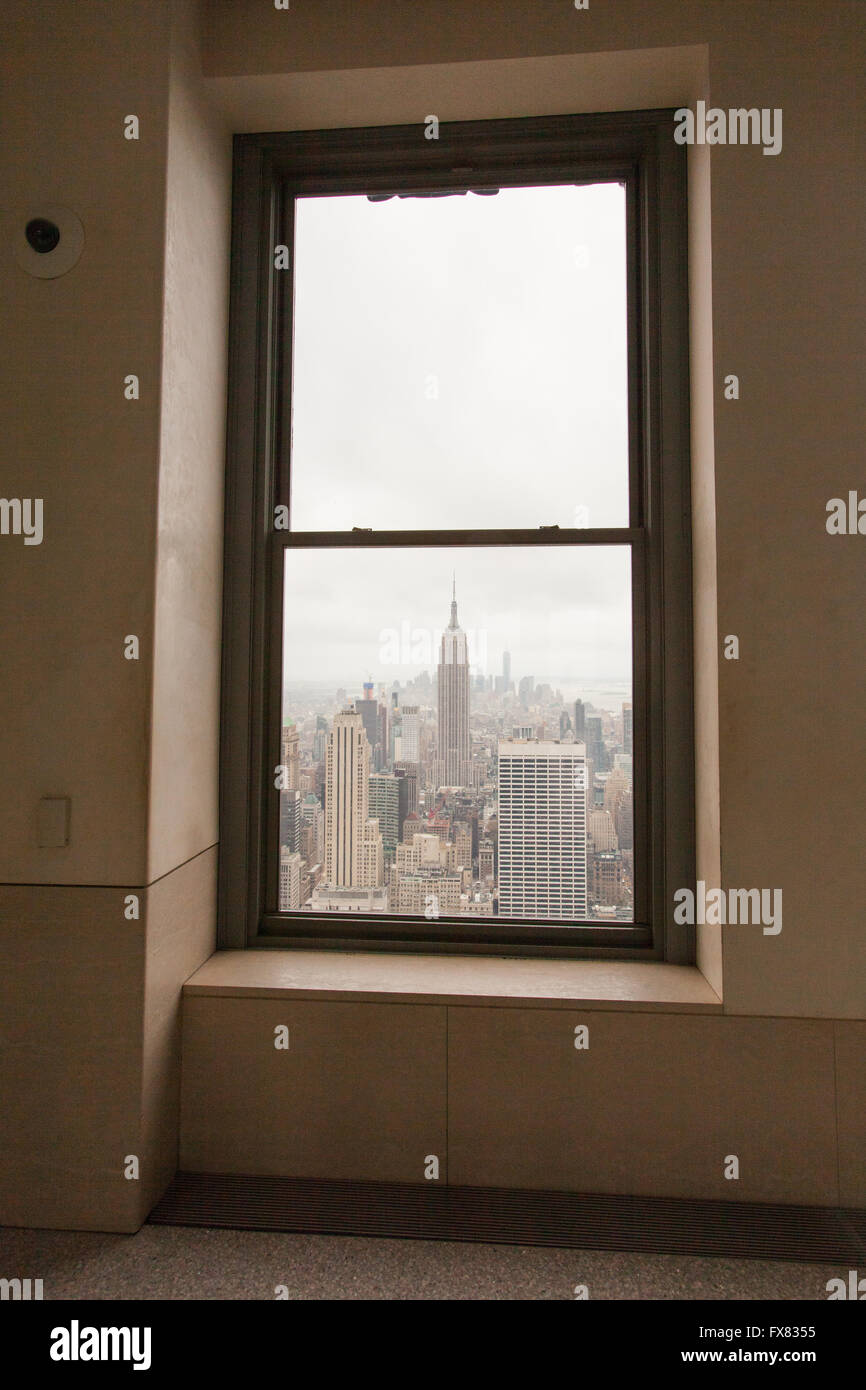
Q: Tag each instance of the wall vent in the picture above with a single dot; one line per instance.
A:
(569, 1220)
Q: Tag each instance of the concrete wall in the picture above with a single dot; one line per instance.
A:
(132, 490)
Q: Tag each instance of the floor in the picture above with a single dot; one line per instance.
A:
(173, 1262)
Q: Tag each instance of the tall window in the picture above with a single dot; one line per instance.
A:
(457, 702)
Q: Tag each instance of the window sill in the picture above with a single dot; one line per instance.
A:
(376, 977)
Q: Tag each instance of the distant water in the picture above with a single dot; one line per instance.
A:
(609, 696)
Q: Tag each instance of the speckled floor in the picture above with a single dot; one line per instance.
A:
(172, 1262)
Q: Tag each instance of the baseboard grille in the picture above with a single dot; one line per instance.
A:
(568, 1220)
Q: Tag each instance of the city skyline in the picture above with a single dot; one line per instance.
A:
(457, 796)
(563, 613)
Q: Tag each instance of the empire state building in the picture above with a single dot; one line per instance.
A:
(454, 745)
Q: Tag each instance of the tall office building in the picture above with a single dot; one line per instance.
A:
(368, 708)
(616, 788)
(542, 831)
(579, 720)
(409, 750)
(347, 777)
(290, 795)
(290, 821)
(453, 677)
(627, 726)
(407, 780)
(462, 839)
(384, 804)
(485, 860)
(290, 756)
(320, 739)
(372, 856)
(313, 818)
(625, 822)
(602, 831)
(380, 759)
(595, 745)
(606, 878)
(291, 876)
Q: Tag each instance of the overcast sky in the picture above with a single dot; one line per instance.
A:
(563, 613)
(460, 363)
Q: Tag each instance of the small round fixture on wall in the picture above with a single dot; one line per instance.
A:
(48, 241)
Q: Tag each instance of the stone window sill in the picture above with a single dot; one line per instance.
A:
(377, 977)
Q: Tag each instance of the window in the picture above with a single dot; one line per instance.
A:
(457, 659)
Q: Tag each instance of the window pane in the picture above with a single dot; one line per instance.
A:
(461, 362)
(457, 733)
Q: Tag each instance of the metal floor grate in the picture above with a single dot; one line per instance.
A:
(502, 1216)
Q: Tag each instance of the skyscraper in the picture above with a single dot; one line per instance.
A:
(627, 726)
(291, 872)
(542, 831)
(453, 675)
(290, 821)
(485, 860)
(320, 739)
(407, 781)
(290, 756)
(409, 750)
(347, 776)
(384, 805)
(368, 709)
(372, 856)
(579, 720)
(290, 796)
(595, 745)
(462, 846)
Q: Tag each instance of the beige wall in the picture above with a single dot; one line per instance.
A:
(184, 761)
(75, 713)
(132, 491)
(133, 499)
(776, 282)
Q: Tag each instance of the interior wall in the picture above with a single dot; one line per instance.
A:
(75, 713)
(132, 493)
(783, 245)
(97, 937)
(184, 748)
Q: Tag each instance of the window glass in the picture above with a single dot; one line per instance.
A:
(460, 361)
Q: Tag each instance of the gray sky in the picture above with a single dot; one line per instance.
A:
(460, 363)
(563, 613)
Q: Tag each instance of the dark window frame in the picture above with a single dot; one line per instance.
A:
(638, 149)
